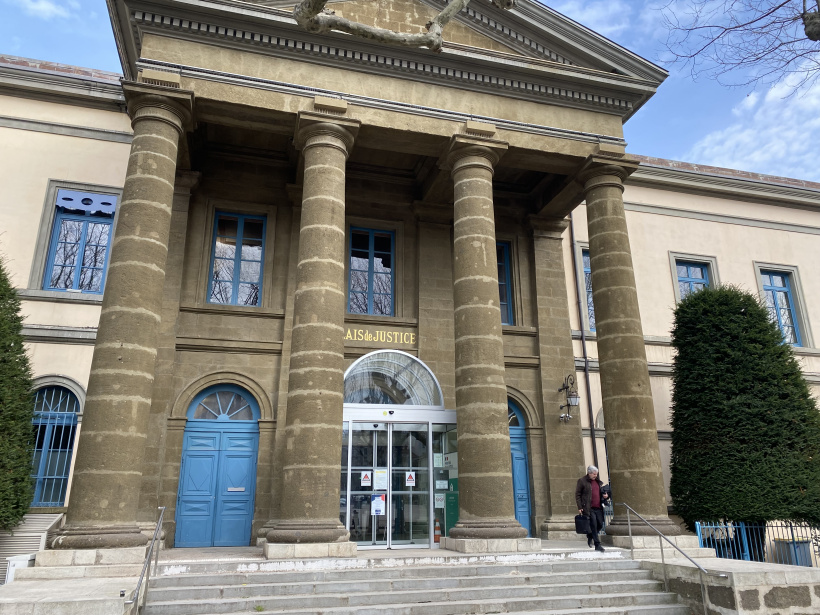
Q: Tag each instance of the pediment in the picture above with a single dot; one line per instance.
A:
(530, 30)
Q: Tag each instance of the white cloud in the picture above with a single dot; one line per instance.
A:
(46, 9)
(771, 134)
(607, 17)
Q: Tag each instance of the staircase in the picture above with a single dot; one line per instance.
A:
(412, 586)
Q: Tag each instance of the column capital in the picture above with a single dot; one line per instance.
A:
(481, 151)
(547, 228)
(319, 128)
(599, 170)
(165, 104)
(186, 181)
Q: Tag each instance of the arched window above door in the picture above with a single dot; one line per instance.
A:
(392, 377)
(224, 402)
(515, 418)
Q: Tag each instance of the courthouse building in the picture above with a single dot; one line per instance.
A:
(311, 289)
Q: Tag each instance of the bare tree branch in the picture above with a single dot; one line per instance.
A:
(746, 42)
(314, 17)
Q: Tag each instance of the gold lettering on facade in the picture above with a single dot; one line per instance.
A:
(381, 337)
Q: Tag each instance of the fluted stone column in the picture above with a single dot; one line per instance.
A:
(486, 506)
(309, 504)
(102, 511)
(631, 433)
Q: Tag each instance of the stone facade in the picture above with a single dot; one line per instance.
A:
(498, 139)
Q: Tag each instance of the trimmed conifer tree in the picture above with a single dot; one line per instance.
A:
(746, 431)
(16, 410)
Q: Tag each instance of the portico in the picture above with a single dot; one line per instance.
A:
(352, 198)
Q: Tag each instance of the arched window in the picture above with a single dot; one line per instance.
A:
(224, 402)
(391, 377)
(55, 426)
(514, 416)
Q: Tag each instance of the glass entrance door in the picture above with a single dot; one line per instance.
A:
(388, 484)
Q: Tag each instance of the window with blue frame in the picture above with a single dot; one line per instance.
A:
(236, 260)
(502, 249)
(692, 277)
(372, 271)
(55, 426)
(78, 252)
(779, 296)
(588, 287)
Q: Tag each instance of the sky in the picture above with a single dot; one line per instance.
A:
(763, 130)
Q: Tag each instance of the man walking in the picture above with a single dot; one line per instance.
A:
(590, 502)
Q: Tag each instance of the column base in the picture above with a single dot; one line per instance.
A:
(619, 527)
(308, 550)
(100, 537)
(488, 529)
(299, 532)
(560, 528)
(491, 545)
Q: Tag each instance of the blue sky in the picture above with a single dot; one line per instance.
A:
(702, 122)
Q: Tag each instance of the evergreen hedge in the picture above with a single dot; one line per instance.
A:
(746, 431)
(16, 410)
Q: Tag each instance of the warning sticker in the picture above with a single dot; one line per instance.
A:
(409, 479)
(366, 479)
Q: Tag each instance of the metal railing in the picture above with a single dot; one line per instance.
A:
(661, 538)
(146, 567)
(777, 542)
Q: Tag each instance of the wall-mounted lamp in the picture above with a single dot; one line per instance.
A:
(573, 399)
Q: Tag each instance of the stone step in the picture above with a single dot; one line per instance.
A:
(538, 604)
(272, 586)
(176, 572)
(368, 592)
(73, 572)
(670, 553)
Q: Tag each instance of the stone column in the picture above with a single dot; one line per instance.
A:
(154, 489)
(631, 433)
(309, 503)
(102, 511)
(486, 506)
(564, 451)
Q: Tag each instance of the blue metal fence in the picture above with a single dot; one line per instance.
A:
(776, 542)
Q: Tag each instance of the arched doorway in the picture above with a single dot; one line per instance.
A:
(217, 481)
(399, 456)
(520, 465)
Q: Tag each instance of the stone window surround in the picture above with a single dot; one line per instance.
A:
(709, 261)
(268, 211)
(399, 280)
(43, 241)
(801, 313)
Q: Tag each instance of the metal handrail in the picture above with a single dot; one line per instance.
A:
(146, 567)
(661, 538)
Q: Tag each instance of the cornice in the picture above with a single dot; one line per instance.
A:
(64, 88)
(706, 184)
(514, 77)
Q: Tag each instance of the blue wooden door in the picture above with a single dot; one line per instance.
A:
(235, 489)
(216, 489)
(520, 466)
